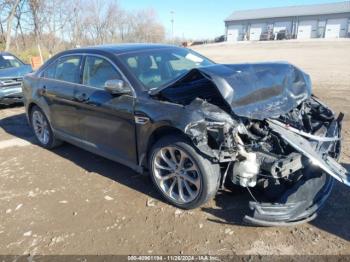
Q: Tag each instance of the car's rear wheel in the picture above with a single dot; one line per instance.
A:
(42, 129)
(183, 177)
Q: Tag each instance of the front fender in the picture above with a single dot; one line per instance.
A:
(190, 120)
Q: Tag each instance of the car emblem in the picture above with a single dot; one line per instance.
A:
(141, 120)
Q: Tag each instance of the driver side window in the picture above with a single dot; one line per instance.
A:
(97, 71)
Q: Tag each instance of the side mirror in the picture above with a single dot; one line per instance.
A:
(117, 87)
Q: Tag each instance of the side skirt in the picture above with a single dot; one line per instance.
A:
(94, 149)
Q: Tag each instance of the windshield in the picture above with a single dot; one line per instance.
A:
(155, 68)
(9, 61)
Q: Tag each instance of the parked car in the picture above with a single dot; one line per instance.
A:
(12, 71)
(197, 126)
(220, 39)
(198, 43)
(283, 35)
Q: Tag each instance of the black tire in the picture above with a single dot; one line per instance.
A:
(52, 140)
(209, 172)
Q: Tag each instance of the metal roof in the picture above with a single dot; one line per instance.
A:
(288, 11)
(125, 48)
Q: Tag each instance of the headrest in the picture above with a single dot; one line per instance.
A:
(144, 62)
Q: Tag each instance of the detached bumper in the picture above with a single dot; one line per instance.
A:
(302, 204)
(11, 95)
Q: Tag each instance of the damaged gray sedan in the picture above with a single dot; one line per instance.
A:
(195, 125)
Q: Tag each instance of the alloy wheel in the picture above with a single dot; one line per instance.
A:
(176, 174)
(41, 127)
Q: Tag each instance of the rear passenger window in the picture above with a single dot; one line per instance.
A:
(68, 69)
(50, 71)
(97, 71)
(65, 69)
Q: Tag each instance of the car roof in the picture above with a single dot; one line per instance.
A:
(2, 53)
(124, 48)
(5, 53)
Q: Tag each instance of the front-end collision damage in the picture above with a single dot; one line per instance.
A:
(268, 133)
(294, 168)
(213, 131)
(302, 199)
(296, 205)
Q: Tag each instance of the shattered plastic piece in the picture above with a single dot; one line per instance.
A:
(108, 198)
(151, 202)
(27, 234)
(18, 206)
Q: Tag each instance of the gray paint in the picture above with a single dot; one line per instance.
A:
(291, 11)
(289, 18)
(293, 19)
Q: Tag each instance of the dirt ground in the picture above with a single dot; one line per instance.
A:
(69, 201)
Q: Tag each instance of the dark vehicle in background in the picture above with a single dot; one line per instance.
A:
(220, 39)
(198, 43)
(197, 126)
(283, 35)
(12, 71)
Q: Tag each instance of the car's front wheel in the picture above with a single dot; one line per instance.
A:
(183, 177)
(42, 129)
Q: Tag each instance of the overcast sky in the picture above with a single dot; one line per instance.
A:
(204, 18)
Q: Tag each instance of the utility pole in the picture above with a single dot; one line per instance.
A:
(172, 26)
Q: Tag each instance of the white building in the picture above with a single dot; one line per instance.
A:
(307, 21)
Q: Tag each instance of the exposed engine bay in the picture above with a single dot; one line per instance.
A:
(269, 134)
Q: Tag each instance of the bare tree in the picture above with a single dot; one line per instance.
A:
(105, 22)
(12, 5)
(73, 30)
(100, 20)
(55, 16)
(146, 28)
(2, 20)
(54, 25)
(18, 16)
(35, 7)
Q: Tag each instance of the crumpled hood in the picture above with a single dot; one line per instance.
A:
(257, 91)
(15, 72)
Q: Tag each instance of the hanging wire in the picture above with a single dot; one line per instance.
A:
(251, 194)
(224, 178)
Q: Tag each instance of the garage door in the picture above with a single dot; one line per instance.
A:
(278, 26)
(307, 29)
(336, 28)
(255, 31)
(235, 33)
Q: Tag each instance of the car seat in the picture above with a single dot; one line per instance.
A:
(147, 74)
(68, 72)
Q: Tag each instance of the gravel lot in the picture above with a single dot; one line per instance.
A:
(69, 201)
